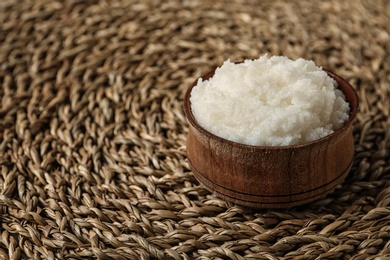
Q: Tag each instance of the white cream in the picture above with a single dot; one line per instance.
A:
(270, 102)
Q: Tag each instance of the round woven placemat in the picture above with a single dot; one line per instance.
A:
(92, 132)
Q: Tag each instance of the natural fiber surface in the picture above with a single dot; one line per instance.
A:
(92, 132)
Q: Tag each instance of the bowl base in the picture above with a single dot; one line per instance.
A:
(259, 201)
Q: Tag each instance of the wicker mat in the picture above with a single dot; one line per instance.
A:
(93, 158)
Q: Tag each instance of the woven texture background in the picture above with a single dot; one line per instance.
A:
(92, 131)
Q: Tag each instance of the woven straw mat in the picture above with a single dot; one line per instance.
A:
(93, 158)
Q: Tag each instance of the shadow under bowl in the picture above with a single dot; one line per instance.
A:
(271, 176)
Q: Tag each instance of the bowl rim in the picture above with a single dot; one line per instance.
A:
(352, 115)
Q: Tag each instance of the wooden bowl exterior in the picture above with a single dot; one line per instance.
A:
(271, 177)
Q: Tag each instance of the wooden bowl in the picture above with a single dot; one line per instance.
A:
(270, 176)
